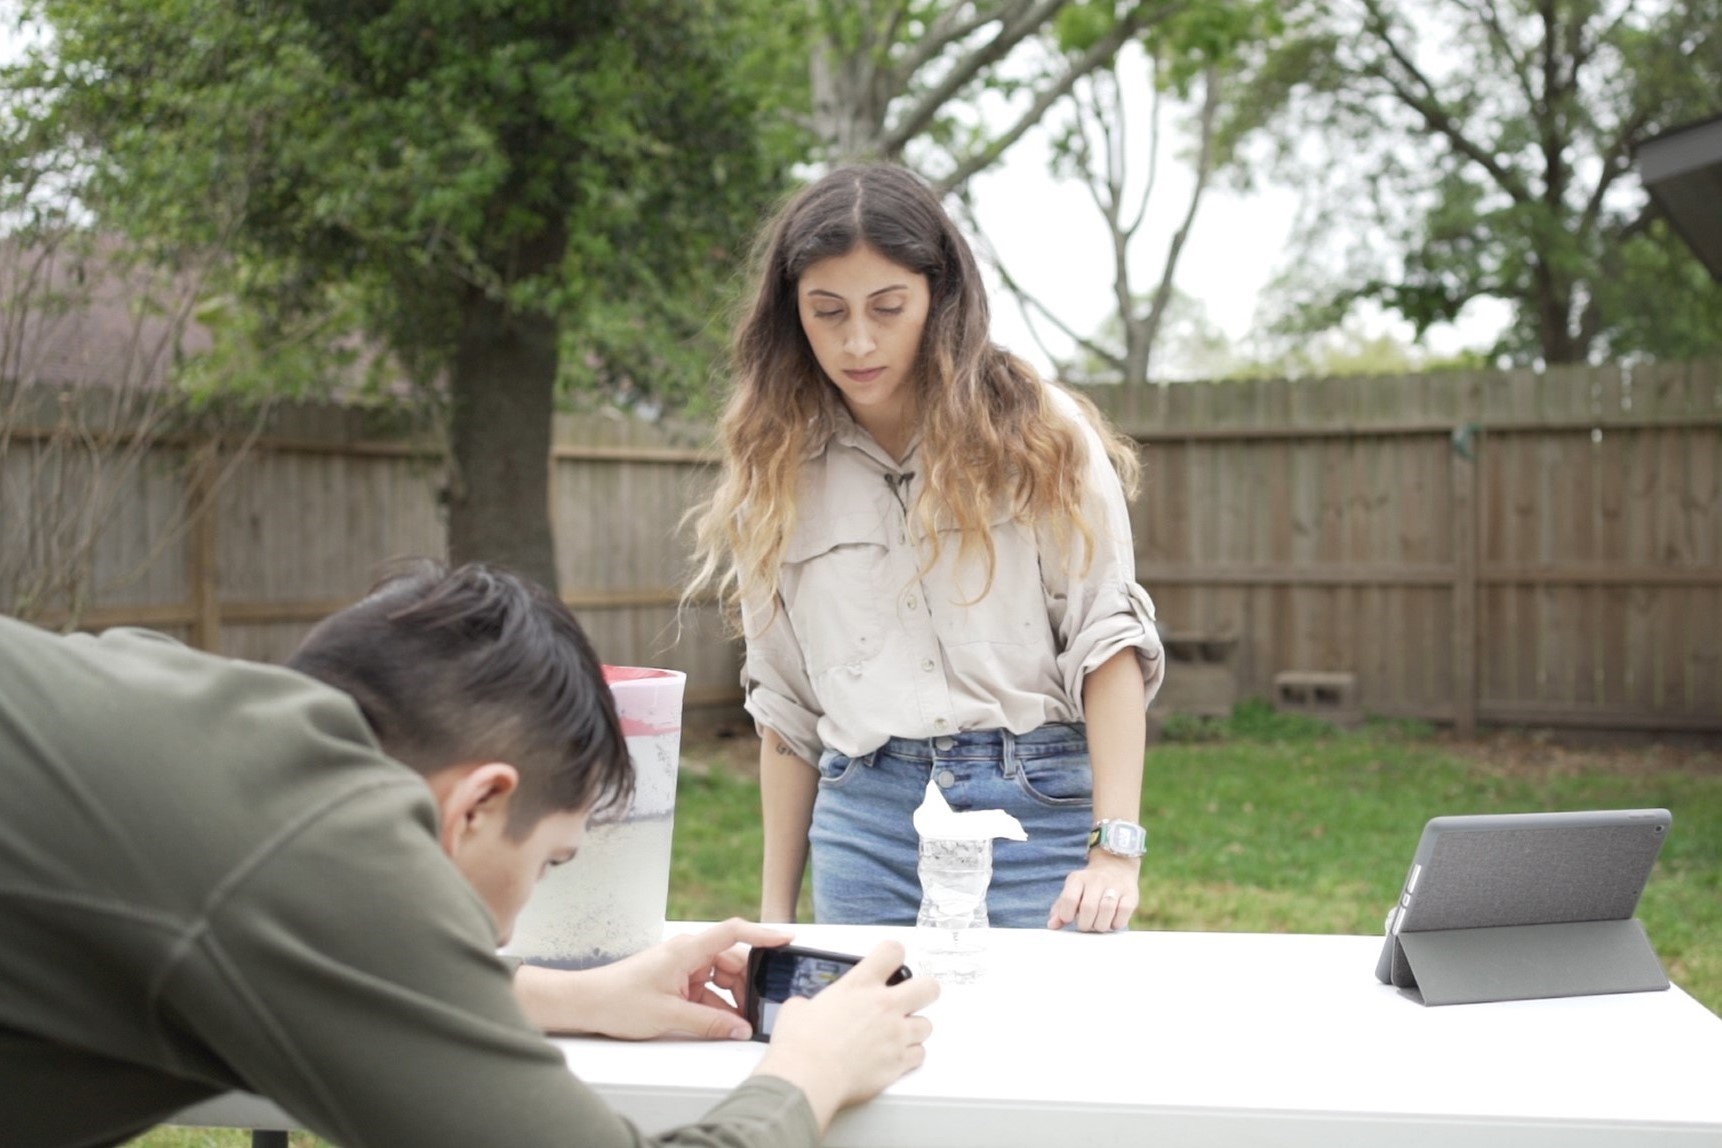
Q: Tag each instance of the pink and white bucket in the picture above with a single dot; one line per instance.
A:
(611, 900)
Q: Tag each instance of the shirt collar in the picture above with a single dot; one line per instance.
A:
(853, 435)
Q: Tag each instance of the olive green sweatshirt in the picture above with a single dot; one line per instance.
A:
(211, 877)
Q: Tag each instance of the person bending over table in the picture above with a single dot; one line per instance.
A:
(221, 875)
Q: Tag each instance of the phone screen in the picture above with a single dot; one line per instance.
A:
(776, 975)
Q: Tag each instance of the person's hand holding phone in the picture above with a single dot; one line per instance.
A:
(856, 1036)
(669, 988)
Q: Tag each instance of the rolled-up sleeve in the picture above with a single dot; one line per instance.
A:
(779, 694)
(1101, 610)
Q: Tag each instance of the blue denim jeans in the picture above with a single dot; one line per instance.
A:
(864, 842)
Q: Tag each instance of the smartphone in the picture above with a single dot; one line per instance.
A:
(776, 974)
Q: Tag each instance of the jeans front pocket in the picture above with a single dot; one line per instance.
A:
(836, 769)
(1059, 781)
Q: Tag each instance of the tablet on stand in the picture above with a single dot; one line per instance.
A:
(1516, 906)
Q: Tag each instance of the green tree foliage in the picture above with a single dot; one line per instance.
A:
(481, 187)
(1466, 149)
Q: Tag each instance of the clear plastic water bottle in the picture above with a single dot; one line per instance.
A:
(955, 873)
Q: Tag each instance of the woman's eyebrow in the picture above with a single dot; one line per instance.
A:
(871, 294)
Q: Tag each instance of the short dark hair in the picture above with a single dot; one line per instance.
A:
(476, 664)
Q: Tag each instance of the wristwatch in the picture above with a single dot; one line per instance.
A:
(1120, 838)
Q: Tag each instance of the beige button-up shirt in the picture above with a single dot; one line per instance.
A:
(862, 647)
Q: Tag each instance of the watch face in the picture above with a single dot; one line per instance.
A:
(1121, 837)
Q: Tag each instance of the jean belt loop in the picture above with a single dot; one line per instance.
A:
(1007, 753)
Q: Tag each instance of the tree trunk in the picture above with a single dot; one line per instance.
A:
(1554, 318)
(503, 388)
(1138, 345)
(849, 103)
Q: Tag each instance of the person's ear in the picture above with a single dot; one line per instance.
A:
(475, 802)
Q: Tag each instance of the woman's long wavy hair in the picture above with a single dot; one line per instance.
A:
(988, 430)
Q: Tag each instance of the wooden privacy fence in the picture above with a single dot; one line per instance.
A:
(1518, 548)
(239, 543)
(1509, 548)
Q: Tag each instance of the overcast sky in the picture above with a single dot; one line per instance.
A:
(1050, 236)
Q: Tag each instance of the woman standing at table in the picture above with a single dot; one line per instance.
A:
(931, 555)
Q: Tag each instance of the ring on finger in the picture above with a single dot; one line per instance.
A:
(1112, 893)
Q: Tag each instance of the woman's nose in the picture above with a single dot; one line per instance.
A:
(858, 340)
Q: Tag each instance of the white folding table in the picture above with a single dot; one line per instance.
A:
(1200, 1039)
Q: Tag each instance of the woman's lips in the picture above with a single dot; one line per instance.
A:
(866, 376)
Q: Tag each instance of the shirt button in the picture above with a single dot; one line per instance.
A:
(946, 779)
(941, 723)
(927, 664)
(911, 603)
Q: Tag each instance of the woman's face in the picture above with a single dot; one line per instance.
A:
(863, 315)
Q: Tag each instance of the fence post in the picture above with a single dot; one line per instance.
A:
(203, 564)
(1466, 443)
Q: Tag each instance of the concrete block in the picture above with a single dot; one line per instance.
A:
(1325, 694)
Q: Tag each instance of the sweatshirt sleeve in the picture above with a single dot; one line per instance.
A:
(1102, 609)
(350, 976)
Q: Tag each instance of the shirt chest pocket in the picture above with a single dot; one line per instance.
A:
(1012, 612)
(833, 576)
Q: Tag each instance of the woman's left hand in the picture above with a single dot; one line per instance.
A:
(1100, 898)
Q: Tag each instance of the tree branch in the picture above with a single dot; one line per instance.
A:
(1103, 50)
(1638, 224)
(1615, 163)
(1582, 52)
(1204, 170)
(1546, 115)
(1028, 300)
(1085, 112)
(929, 102)
(1109, 196)
(881, 47)
(1107, 110)
(948, 28)
(1489, 13)
(1434, 115)
(1156, 106)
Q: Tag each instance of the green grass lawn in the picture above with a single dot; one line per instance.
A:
(1267, 824)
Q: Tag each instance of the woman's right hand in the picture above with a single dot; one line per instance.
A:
(857, 1036)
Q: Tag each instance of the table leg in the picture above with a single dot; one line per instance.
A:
(261, 1138)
